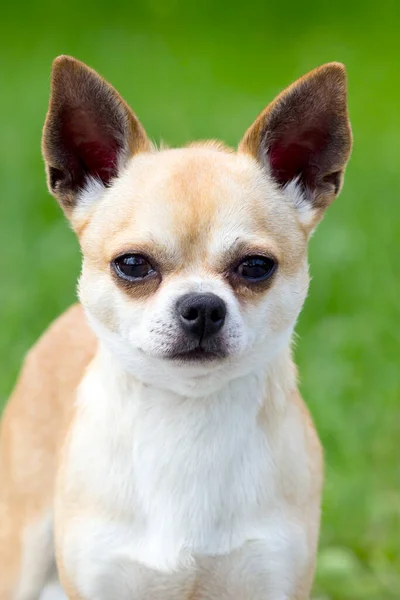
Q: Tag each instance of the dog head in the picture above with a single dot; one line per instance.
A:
(194, 259)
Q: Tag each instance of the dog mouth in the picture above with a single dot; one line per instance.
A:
(198, 354)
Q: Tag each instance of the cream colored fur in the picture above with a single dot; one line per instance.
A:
(164, 479)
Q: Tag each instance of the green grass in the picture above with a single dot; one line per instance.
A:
(192, 72)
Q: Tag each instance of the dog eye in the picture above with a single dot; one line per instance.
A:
(133, 267)
(256, 268)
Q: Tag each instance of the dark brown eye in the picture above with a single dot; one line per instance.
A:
(133, 267)
(256, 268)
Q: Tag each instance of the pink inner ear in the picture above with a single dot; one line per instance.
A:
(92, 150)
(99, 159)
(298, 155)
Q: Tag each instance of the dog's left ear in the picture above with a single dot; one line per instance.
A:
(303, 138)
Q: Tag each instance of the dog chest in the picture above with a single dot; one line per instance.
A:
(174, 488)
(190, 476)
(201, 474)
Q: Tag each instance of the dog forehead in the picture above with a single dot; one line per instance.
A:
(196, 181)
(190, 184)
(190, 200)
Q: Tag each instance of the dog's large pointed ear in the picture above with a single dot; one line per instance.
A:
(303, 138)
(90, 132)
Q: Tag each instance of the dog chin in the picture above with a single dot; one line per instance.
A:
(190, 378)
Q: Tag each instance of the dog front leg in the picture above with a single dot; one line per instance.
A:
(279, 566)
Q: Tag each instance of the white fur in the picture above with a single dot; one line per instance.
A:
(92, 192)
(38, 576)
(147, 332)
(53, 591)
(304, 208)
(178, 480)
(37, 558)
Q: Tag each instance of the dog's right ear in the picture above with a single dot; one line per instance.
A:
(89, 133)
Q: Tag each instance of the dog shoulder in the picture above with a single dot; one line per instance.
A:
(305, 453)
(41, 405)
(55, 364)
(292, 436)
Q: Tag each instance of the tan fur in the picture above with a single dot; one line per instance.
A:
(31, 433)
(172, 206)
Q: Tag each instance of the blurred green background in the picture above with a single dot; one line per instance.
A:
(198, 70)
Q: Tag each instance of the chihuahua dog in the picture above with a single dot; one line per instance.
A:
(156, 446)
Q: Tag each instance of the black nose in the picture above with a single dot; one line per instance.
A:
(201, 315)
